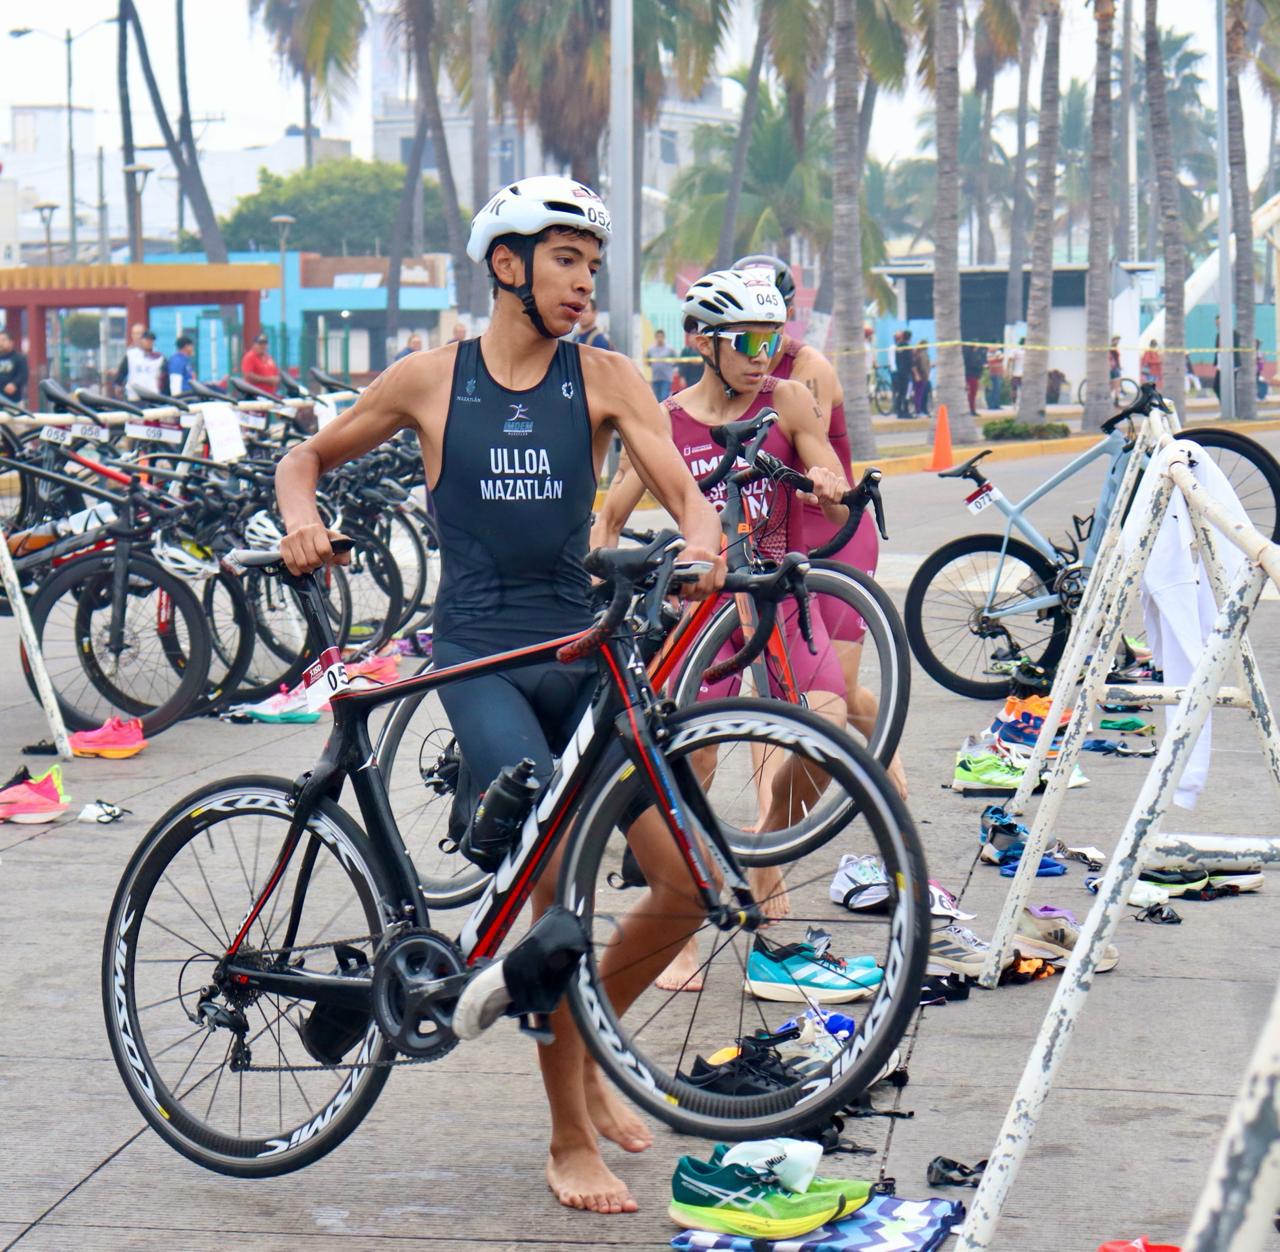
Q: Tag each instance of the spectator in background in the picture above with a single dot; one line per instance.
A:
(258, 367)
(1152, 365)
(458, 334)
(181, 366)
(1113, 368)
(414, 344)
(974, 359)
(1263, 386)
(142, 366)
(995, 377)
(921, 387)
(660, 367)
(1017, 358)
(903, 359)
(588, 331)
(13, 370)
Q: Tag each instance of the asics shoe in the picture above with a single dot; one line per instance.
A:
(115, 740)
(958, 949)
(289, 707)
(1055, 931)
(985, 772)
(861, 884)
(796, 973)
(790, 1160)
(746, 1200)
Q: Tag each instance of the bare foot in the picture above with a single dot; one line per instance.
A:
(898, 776)
(770, 890)
(579, 1179)
(611, 1116)
(684, 973)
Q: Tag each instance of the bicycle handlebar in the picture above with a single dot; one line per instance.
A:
(738, 439)
(855, 499)
(1147, 399)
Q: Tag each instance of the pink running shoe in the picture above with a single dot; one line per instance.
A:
(115, 739)
(32, 803)
(377, 669)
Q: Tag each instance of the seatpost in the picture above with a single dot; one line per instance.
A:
(315, 611)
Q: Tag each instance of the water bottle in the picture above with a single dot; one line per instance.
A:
(501, 815)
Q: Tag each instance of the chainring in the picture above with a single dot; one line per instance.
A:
(400, 967)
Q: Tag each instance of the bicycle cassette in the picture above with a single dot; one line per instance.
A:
(417, 977)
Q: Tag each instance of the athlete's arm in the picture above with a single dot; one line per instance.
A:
(386, 406)
(820, 377)
(619, 503)
(802, 422)
(630, 408)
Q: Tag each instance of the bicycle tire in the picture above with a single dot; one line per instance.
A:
(232, 640)
(1261, 496)
(131, 980)
(1128, 391)
(409, 551)
(15, 487)
(88, 579)
(635, 1065)
(377, 593)
(922, 590)
(431, 541)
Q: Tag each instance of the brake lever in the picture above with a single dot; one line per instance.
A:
(873, 490)
(801, 594)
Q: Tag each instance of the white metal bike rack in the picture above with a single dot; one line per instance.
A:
(1240, 1196)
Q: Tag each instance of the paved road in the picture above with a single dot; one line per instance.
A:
(451, 1158)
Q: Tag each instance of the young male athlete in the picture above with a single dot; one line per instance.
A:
(513, 427)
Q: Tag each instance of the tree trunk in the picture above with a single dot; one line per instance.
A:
(1035, 367)
(638, 130)
(846, 251)
(1097, 297)
(1241, 217)
(1013, 310)
(1269, 268)
(188, 171)
(866, 111)
(1173, 242)
(726, 249)
(946, 232)
(308, 145)
(402, 225)
(982, 184)
(1124, 174)
(480, 142)
(126, 129)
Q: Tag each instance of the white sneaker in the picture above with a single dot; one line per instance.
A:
(860, 884)
(1056, 935)
(958, 949)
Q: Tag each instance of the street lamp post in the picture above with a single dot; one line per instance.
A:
(138, 173)
(282, 222)
(47, 209)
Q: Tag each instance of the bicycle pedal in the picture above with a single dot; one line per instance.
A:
(538, 1027)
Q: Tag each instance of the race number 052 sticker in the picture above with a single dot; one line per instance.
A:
(324, 678)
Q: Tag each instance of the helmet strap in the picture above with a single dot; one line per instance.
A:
(524, 291)
(714, 365)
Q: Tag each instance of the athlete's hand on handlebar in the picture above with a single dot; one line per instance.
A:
(310, 546)
(711, 581)
(828, 487)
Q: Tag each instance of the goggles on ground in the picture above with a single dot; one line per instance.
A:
(751, 342)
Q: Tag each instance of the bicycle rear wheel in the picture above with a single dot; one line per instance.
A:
(948, 625)
(1254, 474)
(672, 1051)
(174, 1029)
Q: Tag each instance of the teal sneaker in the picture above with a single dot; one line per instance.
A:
(768, 1151)
(741, 1200)
(799, 973)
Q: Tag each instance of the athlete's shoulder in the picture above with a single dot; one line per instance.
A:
(791, 393)
(609, 376)
(810, 363)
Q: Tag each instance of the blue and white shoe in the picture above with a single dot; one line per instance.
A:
(797, 973)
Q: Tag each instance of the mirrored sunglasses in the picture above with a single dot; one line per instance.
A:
(752, 342)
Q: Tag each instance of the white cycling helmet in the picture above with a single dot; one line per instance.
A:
(526, 209)
(262, 532)
(779, 271)
(184, 559)
(731, 298)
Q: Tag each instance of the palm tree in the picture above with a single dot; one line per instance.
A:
(1028, 21)
(1097, 292)
(1124, 176)
(126, 127)
(1241, 213)
(1174, 245)
(946, 264)
(995, 45)
(1040, 297)
(319, 41)
(479, 27)
(1073, 145)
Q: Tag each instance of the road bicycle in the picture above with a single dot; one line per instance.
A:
(981, 602)
(1126, 391)
(880, 389)
(267, 960)
(416, 749)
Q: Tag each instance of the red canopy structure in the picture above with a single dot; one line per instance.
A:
(33, 291)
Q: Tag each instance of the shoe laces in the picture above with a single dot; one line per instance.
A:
(966, 935)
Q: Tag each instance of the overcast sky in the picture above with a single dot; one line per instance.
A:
(233, 75)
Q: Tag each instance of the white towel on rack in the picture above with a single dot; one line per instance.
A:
(1177, 595)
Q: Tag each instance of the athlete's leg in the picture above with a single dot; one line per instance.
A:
(864, 707)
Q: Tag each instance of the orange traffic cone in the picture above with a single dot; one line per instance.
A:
(942, 459)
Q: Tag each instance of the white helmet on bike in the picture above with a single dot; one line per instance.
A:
(525, 209)
(184, 559)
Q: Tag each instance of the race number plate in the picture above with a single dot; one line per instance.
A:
(55, 434)
(253, 421)
(90, 430)
(158, 432)
(325, 678)
(985, 496)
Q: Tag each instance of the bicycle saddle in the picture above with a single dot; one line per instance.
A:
(328, 382)
(156, 397)
(741, 432)
(967, 470)
(206, 391)
(62, 400)
(250, 390)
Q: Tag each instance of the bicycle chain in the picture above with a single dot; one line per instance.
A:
(395, 1062)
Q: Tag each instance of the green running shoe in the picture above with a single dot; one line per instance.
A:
(737, 1200)
(855, 1191)
(985, 772)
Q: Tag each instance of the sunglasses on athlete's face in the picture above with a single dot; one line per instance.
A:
(752, 342)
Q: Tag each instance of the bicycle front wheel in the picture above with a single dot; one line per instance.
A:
(1252, 471)
(949, 614)
(223, 1076)
(682, 1055)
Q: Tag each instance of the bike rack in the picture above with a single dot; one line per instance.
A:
(1240, 1196)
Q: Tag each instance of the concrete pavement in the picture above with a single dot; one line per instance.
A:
(451, 1157)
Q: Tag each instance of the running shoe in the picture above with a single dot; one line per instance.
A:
(377, 670)
(999, 832)
(1175, 881)
(1239, 879)
(1019, 758)
(943, 903)
(746, 1200)
(860, 884)
(958, 949)
(115, 740)
(794, 1162)
(797, 973)
(1055, 932)
(985, 772)
(288, 707)
(1024, 735)
(34, 802)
